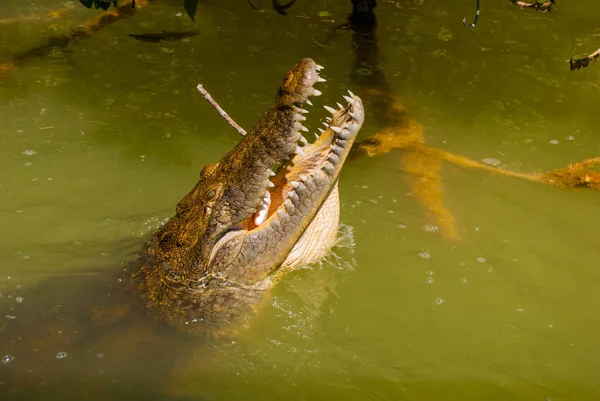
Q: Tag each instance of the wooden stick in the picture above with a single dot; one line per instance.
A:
(219, 110)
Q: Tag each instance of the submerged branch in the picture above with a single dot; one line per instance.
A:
(62, 41)
(576, 64)
(220, 110)
(539, 6)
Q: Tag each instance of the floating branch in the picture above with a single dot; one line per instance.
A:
(576, 64)
(539, 5)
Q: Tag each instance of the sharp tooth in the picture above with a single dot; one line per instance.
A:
(299, 110)
(325, 124)
(263, 209)
(295, 184)
(289, 205)
(328, 119)
(350, 92)
(293, 196)
(319, 67)
(337, 149)
(270, 184)
(272, 173)
(328, 167)
(330, 109)
(336, 129)
(300, 117)
(319, 79)
(303, 140)
(333, 158)
(304, 129)
(317, 92)
(317, 136)
(339, 105)
(321, 129)
(309, 102)
(299, 151)
(349, 99)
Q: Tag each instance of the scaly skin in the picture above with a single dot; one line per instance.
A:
(210, 264)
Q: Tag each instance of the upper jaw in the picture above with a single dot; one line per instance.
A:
(321, 160)
(317, 168)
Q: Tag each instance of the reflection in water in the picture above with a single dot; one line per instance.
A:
(520, 290)
(422, 162)
(84, 336)
(60, 42)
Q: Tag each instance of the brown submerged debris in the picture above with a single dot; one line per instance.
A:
(62, 41)
(575, 175)
(576, 64)
(537, 5)
(424, 163)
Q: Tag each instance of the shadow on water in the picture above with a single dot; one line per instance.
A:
(85, 336)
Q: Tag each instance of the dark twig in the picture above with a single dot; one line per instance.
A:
(281, 8)
(219, 110)
(253, 6)
(475, 20)
(576, 64)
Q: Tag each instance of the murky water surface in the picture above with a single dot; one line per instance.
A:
(100, 139)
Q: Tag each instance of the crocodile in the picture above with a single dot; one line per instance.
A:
(268, 206)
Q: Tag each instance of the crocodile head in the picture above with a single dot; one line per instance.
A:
(271, 202)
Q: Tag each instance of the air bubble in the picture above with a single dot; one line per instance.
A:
(61, 355)
(439, 300)
(570, 138)
(425, 255)
(491, 161)
(554, 142)
(19, 299)
(7, 358)
(481, 259)
(100, 355)
(29, 152)
(402, 226)
(430, 228)
(430, 280)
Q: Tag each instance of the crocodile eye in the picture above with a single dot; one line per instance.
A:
(211, 194)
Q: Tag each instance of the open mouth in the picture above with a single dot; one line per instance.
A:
(318, 162)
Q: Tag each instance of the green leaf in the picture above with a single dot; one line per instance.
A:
(190, 7)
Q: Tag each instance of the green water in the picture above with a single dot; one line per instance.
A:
(100, 140)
